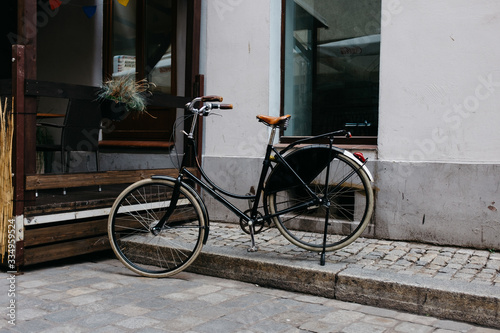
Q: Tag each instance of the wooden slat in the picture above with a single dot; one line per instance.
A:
(40, 254)
(135, 144)
(53, 181)
(60, 90)
(59, 233)
(65, 90)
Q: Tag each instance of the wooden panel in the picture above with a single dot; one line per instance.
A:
(40, 254)
(136, 144)
(58, 233)
(60, 90)
(65, 90)
(52, 181)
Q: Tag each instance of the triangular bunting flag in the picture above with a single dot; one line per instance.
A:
(54, 4)
(123, 2)
(89, 10)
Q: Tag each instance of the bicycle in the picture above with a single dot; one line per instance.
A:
(318, 196)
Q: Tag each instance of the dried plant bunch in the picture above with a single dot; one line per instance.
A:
(126, 90)
(6, 185)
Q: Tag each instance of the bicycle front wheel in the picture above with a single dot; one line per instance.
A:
(347, 201)
(164, 252)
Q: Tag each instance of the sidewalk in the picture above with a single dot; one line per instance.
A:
(446, 282)
(423, 281)
(98, 294)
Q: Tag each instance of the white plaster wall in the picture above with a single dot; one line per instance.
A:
(438, 123)
(240, 58)
(440, 81)
(237, 67)
(438, 128)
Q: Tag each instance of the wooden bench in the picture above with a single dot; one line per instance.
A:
(54, 229)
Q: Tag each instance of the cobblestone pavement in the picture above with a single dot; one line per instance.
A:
(439, 262)
(100, 295)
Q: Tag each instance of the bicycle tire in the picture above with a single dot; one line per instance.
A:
(351, 207)
(137, 209)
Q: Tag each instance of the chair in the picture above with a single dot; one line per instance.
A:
(79, 132)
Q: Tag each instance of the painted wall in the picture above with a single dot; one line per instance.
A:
(437, 162)
(241, 63)
(437, 173)
(440, 81)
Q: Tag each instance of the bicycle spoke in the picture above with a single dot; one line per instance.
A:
(345, 195)
(167, 250)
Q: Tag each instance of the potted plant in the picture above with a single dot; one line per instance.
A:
(123, 95)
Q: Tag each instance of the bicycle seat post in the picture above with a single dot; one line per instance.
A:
(271, 136)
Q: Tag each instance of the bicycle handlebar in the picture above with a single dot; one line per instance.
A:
(211, 98)
(204, 110)
(207, 107)
(222, 106)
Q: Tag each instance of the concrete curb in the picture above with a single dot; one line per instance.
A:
(454, 300)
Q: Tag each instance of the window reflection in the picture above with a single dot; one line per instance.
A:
(159, 38)
(124, 39)
(332, 55)
(155, 44)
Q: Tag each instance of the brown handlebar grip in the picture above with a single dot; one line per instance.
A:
(225, 106)
(211, 98)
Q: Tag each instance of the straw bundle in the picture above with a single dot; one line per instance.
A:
(6, 189)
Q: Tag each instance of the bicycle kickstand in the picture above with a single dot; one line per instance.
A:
(253, 247)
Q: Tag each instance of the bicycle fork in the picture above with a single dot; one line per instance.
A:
(326, 202)
(173, 204)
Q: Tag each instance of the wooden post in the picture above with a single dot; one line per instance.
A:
(193, 46)
(24, 145)
(18, 144)
(27, 10)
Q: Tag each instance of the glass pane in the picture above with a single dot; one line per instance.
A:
(332, 55)
(124, 37)
(159, 38)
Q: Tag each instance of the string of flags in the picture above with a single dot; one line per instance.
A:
(88, 10)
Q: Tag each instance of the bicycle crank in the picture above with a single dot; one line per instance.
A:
(258, 224)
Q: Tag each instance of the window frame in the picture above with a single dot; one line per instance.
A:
(359, 141)
(183, 88)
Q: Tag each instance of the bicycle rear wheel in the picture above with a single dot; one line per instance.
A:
(168, 251)
(350, 200)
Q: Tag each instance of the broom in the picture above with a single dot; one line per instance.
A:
(6, 189)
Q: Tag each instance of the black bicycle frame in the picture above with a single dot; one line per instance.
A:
(214, 190)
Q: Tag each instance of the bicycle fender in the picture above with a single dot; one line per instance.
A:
(164, 178)
(301, 161)
(361, 164)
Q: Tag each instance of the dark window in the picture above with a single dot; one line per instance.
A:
(141, 40)
(331, 55)
(8, 37)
